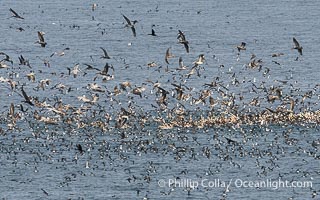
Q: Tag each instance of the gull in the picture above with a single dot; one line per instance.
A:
(138, 91)
(85, 99)
(124, 85)
(74, 71)
(242, 46)
(181, 65)
(200, 60)
(43, 83)
(3, 65)
(168, 55)
(297, 46)
(105, 54)
(95, 87)
(130, 24)
(41, 39)
(255, 63)
(152, 64)
(182, 40)
(15, 14)
(31, 76)
(61, 53)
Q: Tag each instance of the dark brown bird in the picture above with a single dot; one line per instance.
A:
(26, 97)
(24, 61)
(297, 46)
(105, 54)
(182, 40)
(7, 57)
(130, 24)
(242, 46)
(168, 55)
(90, 67)
(15, 14)
(41, 39)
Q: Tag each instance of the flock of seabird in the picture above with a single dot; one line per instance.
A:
(112, 104)
(224, 107)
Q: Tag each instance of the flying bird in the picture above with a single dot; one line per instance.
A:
(105, 54)
(182, 40)
(130, 24)
(181, 65)
(200, 60)
(41, 39)
(297, 46)
(26, 97)
(242, 46)
(90, 67)
(168, 55)
(15, 14)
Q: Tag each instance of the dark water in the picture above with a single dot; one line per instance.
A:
(41, 161)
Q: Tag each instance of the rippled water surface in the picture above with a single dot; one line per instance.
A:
(40, 160)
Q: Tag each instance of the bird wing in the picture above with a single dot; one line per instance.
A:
(26, 97)
(105, 53)
(40, 36)
(296, 43)
(133, 31)
(186, 46)
(106, 69)
(15, 13)
(180, 62)
(89, 67)
(181, 35)
(167, 56)
(127, 19)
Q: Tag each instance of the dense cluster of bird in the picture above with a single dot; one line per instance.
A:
(175, 104)
(48, 101)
